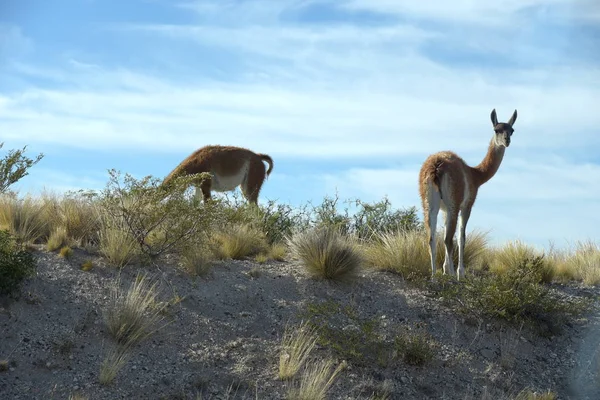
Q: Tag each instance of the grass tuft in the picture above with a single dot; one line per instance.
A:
(240, 241)
(65, 252)
(327, 254)
(23, 218)
(117, 246)
(131, 316)
(295, 349)
(316, 381)
(114, 361)
(57, 239)
(197, 260)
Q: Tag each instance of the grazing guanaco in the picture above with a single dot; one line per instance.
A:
(229, 167)
(447, 182)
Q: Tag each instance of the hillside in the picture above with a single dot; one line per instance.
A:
(224, 332)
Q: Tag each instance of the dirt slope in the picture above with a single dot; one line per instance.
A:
(228, 327)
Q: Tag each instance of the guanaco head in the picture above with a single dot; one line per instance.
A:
(503, 130)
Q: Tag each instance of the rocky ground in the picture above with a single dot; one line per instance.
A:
(225, 334)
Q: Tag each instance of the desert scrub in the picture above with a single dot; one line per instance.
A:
(327, 254)
(515, 296)
(16, 264)
(23, 218)
(296, 345)
(131, 316)
(316, 380)
(238, 241)
(527, 394)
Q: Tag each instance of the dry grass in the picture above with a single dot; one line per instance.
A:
(117, 246)
(296, 346)
(581, 263)
(57, 239)
(23, 218)
(78, 396)
(514, 253)
(239, 241)
(114, 361)
(75, 215)
(327, 254)
(277, 252)
(405, 253)
(509, 342)
(4, 365)
(65, 252)
(316, 381)
(131, 316)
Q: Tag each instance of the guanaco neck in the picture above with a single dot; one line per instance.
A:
(490, 164)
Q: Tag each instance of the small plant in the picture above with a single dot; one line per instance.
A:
(327, 254)
(416, 347)
(316, 381)
(4, 365)
(131, 316)
(87, 265)
(508, 348)
(261, 258)
(114, 361)
(240, 241)
(15, 264)
(66, 252)
(295, 349)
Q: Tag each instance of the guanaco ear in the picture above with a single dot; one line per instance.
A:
(513, 118)
(494, 117)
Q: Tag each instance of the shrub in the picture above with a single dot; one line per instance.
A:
(415, 346)
(14, 166)
(158, 219)
(15, 264)
(327, 254)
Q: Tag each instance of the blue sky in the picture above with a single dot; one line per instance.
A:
(348, 96)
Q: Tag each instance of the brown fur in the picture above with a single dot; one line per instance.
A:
(223, 162)
(447, 167)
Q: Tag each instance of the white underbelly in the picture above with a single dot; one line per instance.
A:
(230, 182)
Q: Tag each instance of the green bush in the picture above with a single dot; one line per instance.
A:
(516, 295)
(14, 166)
(16, 264)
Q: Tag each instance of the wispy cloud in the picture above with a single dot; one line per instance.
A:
(377, 85)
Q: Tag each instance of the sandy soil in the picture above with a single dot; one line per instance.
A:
(228, 327)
